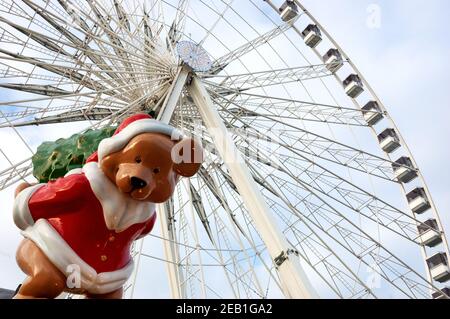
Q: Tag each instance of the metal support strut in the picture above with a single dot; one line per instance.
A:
(293, 278)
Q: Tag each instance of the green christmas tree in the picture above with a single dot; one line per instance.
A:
(55, 159)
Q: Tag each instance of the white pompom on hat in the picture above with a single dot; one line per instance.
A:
(131, 127)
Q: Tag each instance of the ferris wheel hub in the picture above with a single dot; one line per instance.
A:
(194, 56)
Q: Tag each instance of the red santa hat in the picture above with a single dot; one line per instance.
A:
(131, 127)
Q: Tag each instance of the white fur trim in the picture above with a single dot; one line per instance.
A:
(120, 140)
(120, 211)
(63, 257)
(21, 211)
(74, 172)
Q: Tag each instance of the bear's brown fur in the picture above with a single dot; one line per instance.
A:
(144, 170)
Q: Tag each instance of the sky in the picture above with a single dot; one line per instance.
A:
(401, 47)
(405, 61)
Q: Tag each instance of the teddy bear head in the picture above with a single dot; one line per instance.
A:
(145, 159)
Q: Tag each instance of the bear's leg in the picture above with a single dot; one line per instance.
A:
(112, 295)
(44, 279)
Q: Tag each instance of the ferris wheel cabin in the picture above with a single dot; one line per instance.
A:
(418, 201)
(389, 140)
(443, 294)
(333, 59)
(372, 113)
(404, 170)
(353, 86)
(312, 35)
(429, 233)
(288, 11)
(438, 265)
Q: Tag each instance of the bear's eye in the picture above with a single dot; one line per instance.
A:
(156, 170)
(138, 159)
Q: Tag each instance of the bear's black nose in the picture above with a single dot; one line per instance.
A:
(138, 183)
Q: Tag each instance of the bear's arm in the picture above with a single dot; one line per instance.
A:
(148, 227)
(50, 200)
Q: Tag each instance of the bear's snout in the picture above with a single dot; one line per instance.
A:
(135, 180)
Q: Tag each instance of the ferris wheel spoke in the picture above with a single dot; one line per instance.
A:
(216, 192)
(115, 42)
(317, 257)
(119, 47)
(234, 263)
(97, 69)
(321, 258)
(8, 71)
(150, 35)
(122, 15)
(179, 23)
(12, 72)
(48, 43)
(39, 111)
(96, 105)
(303, 141)
(358, 243)
(316, 116)
(298, 284)
(298, 110)
(60, 70)
(339, 153)
(93, 114)
(36, 89)
(84, 67)
(271, 78)
(336, 273)
(104, 44)
(370, 205)
(43, 40)
(248, 237)
(199, 208)
(15, 173)
(191, 268)
(339, 190)
(219, 19)
(342, 280)
(61, 28)
(209, 180)
(222, 62)
(154, 93)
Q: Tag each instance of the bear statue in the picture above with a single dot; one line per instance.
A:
(87, 220)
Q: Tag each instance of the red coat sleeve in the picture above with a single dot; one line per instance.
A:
(148, 226)
(58, 197)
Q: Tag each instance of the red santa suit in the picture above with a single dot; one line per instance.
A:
(84, 220)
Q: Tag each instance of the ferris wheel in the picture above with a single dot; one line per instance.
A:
(308, 188)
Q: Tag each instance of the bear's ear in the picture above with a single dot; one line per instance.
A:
(187, 156)
(109, 166)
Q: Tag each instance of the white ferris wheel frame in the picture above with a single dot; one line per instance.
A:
(294, 282)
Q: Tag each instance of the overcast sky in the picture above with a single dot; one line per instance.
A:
(405, 60)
